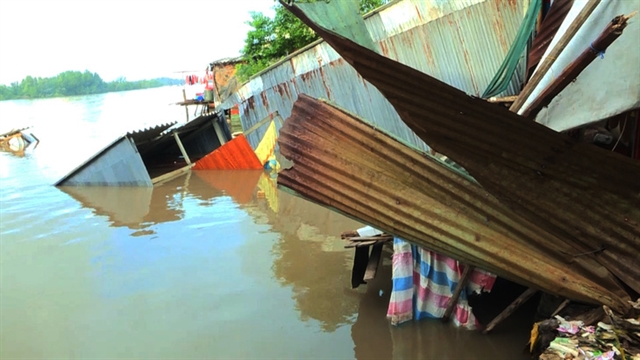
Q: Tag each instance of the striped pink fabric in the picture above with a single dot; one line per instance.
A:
(423, 283)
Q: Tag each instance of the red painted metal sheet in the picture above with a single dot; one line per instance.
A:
(236, 154)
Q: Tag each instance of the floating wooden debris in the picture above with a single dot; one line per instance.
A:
(17, 140)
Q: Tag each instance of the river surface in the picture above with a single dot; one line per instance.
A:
(201, 267)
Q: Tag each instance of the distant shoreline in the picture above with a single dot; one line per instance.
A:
(75, 83)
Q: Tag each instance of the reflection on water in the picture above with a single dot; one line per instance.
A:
(208, 265)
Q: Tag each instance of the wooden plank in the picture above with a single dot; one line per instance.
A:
(374, 261)
(462, 283)
(257, 125)
(561, 307)
(360, 244)
(544, 67)
(510, 309)
(170, 175)
(369, 238)
(360, 262)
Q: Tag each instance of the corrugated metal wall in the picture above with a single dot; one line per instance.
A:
(459, 42)
(117, 165)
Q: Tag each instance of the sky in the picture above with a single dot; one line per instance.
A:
(135, 39)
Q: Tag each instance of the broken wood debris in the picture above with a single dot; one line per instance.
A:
(596, 48)
(357, 241)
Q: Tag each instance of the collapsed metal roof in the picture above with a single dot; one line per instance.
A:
(586, 196)
(148, 134)
(343, 163)
(143, 157)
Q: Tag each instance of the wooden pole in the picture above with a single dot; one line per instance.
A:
(186, 108)
(569, 73)
(219, 132)
(462, 283)
(182, 150)
(542, 69)
(510, 309)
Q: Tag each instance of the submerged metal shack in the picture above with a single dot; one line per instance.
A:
(149, 156)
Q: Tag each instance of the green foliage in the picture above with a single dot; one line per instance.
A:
(270, 40)
(72, 83)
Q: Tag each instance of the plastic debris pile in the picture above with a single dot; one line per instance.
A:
(615, 337)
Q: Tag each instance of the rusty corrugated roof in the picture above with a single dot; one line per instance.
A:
(343, 163)
(586, 196)
(548, 29)
(460, 42)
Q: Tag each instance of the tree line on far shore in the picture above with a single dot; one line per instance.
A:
(271, 39)
(72, 83)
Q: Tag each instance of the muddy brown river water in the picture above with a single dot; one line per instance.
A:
(197, 268)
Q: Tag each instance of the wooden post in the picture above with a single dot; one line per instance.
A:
(510, 309)
(462, 283)
(186, 108)
(374, 261)
(219, 132)
(182, 150)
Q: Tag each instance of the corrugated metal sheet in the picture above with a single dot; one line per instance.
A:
(148, 134)
(586, 196)
(460, 42)
(347, 165)
(119, 164)
(548, 29)
(236, 154)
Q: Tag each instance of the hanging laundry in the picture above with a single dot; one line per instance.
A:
(424, 282)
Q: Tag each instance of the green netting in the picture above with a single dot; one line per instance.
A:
(501, 80)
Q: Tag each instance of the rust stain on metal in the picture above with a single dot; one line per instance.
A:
(418, 13)
(383, 48)
(499, 31)
(428, 54)
(265, 101)
(251, 103)
(346, 164)
(324, 82)
(468, 63)
(587, 188)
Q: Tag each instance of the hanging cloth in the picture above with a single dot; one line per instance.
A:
(502, 78)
